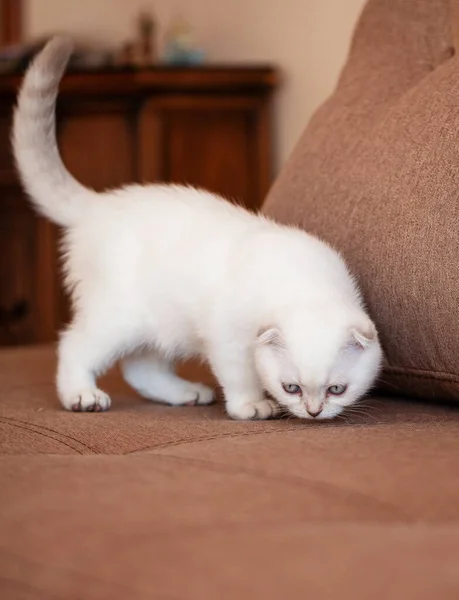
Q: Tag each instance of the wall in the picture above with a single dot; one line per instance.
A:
(307, 39)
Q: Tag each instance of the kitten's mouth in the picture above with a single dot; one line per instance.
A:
(304, 415)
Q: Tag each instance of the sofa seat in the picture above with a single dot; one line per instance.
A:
(152, 502)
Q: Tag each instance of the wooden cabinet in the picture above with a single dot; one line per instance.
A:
(208, 127)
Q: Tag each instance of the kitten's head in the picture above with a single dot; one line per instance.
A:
(317, 369)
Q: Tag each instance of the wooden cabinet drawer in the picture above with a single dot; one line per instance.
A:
(29, 292)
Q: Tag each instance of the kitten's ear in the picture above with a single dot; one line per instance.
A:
(270, 336)
(363, 335)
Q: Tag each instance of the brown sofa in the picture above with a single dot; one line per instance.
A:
(151, 502)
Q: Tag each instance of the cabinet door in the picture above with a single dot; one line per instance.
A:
(27, 257)
(97, 140)
(218, 143)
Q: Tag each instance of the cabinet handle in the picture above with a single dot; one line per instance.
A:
(14, 313)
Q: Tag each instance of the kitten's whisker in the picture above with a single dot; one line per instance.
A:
(363, 415)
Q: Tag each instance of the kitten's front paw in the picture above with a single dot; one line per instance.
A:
(254, 410)
(94, 400)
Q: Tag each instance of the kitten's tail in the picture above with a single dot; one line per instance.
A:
(54, 192)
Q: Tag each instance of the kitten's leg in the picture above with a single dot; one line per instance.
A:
(244, 397)
(153, 377)
(83, 355)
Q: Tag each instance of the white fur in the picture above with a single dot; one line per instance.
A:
(159, 273)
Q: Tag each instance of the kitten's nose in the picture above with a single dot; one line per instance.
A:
(314, 412)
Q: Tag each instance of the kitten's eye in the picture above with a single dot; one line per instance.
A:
(291, 388)
(337, 390)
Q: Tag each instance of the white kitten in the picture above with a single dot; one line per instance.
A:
(162, 272)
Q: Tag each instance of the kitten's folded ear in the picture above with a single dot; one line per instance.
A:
(270, 336)
(363, 334)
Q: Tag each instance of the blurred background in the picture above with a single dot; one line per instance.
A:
(306, 39)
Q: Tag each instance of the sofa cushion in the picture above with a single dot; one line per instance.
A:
(376, 174)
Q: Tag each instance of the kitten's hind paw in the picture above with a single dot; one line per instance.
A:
(196, 394)
(254, 410)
